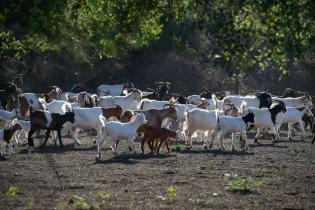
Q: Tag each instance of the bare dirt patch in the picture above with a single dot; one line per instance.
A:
(195, 179)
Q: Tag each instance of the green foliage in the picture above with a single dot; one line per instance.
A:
(243, 184)
(12, 191)
(177, 147)
(243, 34)
(171, 192)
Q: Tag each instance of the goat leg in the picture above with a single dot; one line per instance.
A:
(142, 146)
(60, 141)
(46, 137)
(29, 138)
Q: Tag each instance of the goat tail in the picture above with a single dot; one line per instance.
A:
(242, 107)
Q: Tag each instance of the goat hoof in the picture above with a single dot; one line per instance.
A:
(222, 149)
(233, 150)
(205, 147)
(256, 141)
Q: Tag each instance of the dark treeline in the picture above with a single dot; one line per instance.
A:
(216, 44)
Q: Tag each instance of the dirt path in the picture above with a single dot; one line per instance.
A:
(283, 177)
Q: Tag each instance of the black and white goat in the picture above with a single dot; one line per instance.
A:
(266, 117)
(227, 124)
(258, 100)
(6, 135)
(48, 121)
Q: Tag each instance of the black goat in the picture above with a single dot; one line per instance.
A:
(48, 121)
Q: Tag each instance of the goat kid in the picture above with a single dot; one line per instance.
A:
(5, 137)
(118, 131)
(154, 134)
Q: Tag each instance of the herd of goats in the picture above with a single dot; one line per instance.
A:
(122, 112)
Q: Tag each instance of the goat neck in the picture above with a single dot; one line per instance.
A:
(274, 111)
(248, 118)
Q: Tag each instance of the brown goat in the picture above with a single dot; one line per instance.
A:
(6, 135)
(126, 116)
(156, 134)
(155, 117)
(113, 112)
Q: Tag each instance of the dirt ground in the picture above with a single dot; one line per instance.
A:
(195, 179)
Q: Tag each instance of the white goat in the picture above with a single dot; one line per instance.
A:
(86, 118)
(295, 102)
(113, 90)
(57, 106)
(125, 102)
(196, 100)
(118, 131)
(147, 104)
(200, 120)
(227, 124)
(293, 115)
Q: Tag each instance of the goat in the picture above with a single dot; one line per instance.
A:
(113, 90)
(48, 121)
(266, 118)
(258, 100)
(57, 106)
(92, 118)
(125, 102)
(291, 116)
(126, 116)
(26, 100)
(117, 131)
(152, 133)
(201, 120)
(155, 117)
(26, 127)
(55, 93)
(296, 102)
(8, 116)
(160, 91)
(9, 93)
(6, 135)
(227, 124)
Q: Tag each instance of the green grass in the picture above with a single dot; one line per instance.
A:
(243, 184)
(295, 152)
(177, 147)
